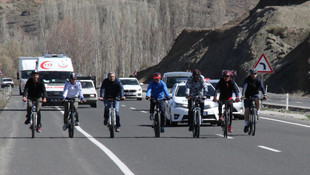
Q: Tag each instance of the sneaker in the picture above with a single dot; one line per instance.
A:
(65, 127)
(105, 121)
(152, 117)
(246, 129)
(77, 123)
(191, 128)
(27, 121)
(162, 129)
(117, 129)
(230, 129)
(39, 129)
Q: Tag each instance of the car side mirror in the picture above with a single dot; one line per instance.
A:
(141, 84)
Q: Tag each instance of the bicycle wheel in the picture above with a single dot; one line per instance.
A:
(71, 125)
(254, 122)
(225, 127)
(33, 124)
(157, 124)
(111, 125)
(251, 117)
(197, 124)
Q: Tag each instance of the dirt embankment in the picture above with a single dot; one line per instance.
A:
(279, 29)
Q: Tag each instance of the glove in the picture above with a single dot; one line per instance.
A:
(147, 98)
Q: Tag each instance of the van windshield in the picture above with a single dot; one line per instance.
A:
(172, 80)
(54, 76)
(87, 85)
(181, 91)
(25, 74)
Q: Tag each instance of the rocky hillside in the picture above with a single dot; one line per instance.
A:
(279, 29)
(106, 35)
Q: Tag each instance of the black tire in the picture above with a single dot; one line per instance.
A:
(71, 125)
(94, 105)
(33, 125)
(157, 125)
(197, 124)
(254, 123)
(251, 122)
(225, 127)
(20, 91)
(111, 126)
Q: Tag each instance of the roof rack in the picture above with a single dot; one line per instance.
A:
(54, 55)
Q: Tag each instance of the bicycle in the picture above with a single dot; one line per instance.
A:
(252, 116)
(71, 113)
(33, 118)
(227, 116)
(197, 115)
(112, 116)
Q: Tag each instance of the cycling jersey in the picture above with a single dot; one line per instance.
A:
(157, 90)
(251, 87)
(226, 89)
(72, 90)
(193, 88)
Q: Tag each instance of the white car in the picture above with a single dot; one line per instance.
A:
(132, 88)
(178, 108)
(170, 78)
(238, 110)
(6, 82)
(89, 92)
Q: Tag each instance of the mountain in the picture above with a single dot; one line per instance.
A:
(279, 29)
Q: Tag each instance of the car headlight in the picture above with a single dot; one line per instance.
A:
(180, 105)
(92, 95)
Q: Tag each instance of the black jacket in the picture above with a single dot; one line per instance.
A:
(252, 86)
(34, 90)
(226, 89)
(111, 89)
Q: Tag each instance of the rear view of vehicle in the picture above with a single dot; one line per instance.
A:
(132, 88)
(55, 70)
(26, 66)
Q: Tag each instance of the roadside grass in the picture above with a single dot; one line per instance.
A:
(281, 110)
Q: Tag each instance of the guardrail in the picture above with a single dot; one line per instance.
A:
(5, 94)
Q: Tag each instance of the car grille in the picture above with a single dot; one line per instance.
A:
(54, 94)
(130, 90)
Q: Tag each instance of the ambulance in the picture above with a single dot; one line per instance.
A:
(55, 70)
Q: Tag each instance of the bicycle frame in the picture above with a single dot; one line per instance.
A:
(157, 119)
(71, 115)
(252, 116)
(196, 115)
(34, 118)
(112, 116)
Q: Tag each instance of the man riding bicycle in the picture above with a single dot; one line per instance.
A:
(157, 89)
(226, 86)
(251, 87)
(34, 91)
(195, 86)
(72, 90)
(111, 88)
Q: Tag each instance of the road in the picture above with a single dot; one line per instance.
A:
(278, 148)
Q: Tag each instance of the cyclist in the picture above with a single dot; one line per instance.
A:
(72, 90)
(157, 89)
(34, 91)
(195, 86)
(111, 88)
(226, 86)
(251, 87)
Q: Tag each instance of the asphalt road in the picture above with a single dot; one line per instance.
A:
(279, 147)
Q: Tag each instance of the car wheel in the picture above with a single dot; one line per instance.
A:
(94, 105)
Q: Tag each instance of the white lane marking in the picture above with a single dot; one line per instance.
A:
(123, 105)
(132, 108)
(144, 112)
(268, 148)
(108, 152)
(281, 121)
(223, 136)
(298, 102)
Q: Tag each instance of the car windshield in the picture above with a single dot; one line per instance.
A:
(172, 80)
(180, 92)
(87, 85)
(7, 79)
(54, 76)
(26, 74)
(130, 82)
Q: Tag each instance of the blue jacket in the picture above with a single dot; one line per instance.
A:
(111, 89)
(157, 90)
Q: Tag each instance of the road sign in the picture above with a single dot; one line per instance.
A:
(263, 65)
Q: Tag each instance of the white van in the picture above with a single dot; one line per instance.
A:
(55, 70)
(170, 78)
(26, 66)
